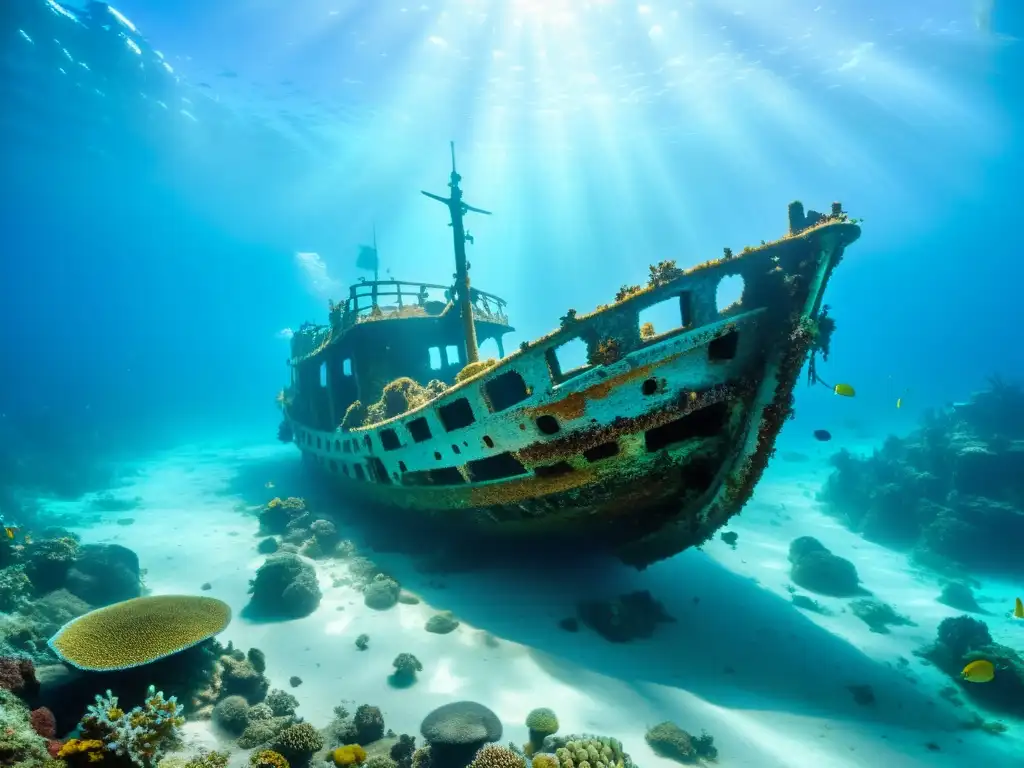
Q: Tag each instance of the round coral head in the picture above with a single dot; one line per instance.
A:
(139, 631)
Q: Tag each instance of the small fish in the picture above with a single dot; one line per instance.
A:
(693, 397)
(1018, 609)
(980, 671)
(899, 402)
(823, 435)
(844, 389)
(10, 530)
(730, 538)
(269, 485)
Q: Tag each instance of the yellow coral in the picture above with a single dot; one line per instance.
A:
(350, 754)
(268, 758)
(544, 760)
(91, 748)
(139, 631)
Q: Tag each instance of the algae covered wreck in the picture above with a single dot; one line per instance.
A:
(647, 448)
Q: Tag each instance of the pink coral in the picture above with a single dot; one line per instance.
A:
(43, 722)
(53, 747)
(18, 676)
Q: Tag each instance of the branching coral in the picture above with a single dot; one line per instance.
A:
(268, 758)
(142, 734)
(298, 743)
(497, 756)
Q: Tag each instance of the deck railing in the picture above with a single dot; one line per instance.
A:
(387, 299)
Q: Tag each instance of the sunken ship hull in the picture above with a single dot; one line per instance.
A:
(649, 447)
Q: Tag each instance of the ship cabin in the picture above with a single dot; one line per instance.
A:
(384, 330)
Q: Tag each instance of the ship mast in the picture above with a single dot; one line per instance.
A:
(460, 236)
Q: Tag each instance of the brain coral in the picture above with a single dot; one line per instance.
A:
(139, 631)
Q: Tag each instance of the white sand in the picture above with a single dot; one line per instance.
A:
(767, 680)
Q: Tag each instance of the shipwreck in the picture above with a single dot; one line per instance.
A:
(647, 448)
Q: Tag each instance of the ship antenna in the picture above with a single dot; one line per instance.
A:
(460, 237)
(376, 253)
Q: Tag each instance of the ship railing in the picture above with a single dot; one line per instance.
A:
(388, 299)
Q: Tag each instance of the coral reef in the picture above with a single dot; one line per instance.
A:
(20, 744)
(669, 740)
(815, 568)
(497, 756)
(18, 675)
(958, 595)
(878, 616)
(949, 491)
(624, 618)
(232, 714)
(961, 640)
(285, 587)
(456, 732)
(268, 758)
(298, 743)
(406, 666)
(278, 513)
(381, 593)
(541, 723)
(369, 723)
(575, 750)
(103, 574)
(139, 736)
(139, 631)
(441, 623)
(397, 397)
(350, 754)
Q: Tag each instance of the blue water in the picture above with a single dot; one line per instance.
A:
(149, 255)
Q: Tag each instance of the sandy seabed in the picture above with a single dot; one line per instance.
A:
(769, 681)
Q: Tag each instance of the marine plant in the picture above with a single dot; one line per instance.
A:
(208, 759)
(541, 723)
(139, 631)
(626, 291)
(663, 272)
(406, 666)
(268, 758)
(474, 369)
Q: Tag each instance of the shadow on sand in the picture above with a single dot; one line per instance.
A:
(733, 644)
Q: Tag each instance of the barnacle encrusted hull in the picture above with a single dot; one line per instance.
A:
(649, 447)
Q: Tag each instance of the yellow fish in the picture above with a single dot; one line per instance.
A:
(10, 531)
(693, 397)
(1018, 609)
(899, 401)
(844, 389)
(979, 671)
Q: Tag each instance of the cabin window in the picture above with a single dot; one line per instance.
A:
(571, 356)
(445, 476)
(346, 367)
(360, 473)
(495, 467)
(547, 424)
(323, 375)
(318, 443)
(435, 358)
(452, 353)
(488, 442)
(729, 292)
(402, 467)
(337, 445)
(334, 466)
(369, 443)
(456, 415)
(347, 447)
(389, 440)
(506, 390)
(649, 387)
(724, 347)
(553, 470)
(378, 471)
(664, 317)
(344, 469)
(706, 422)
(602, 451)
(419, 430)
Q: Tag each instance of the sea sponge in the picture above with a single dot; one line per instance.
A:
(139, 631)
(350, 754)
(298, 743)
(268, 758)
(497, 756)
(406, 666)
(815, 568)
(381, 593)
(669, 740)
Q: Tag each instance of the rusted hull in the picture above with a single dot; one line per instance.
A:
(649, 449)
